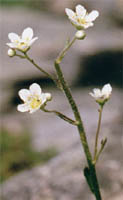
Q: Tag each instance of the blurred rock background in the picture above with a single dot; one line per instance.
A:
(90, 63)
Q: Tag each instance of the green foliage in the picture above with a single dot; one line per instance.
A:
(12, 2)
(8, 3)
(16, 154)
(34, 5)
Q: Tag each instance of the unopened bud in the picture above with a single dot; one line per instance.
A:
(48, 96)
(80, 35)
(11, 52)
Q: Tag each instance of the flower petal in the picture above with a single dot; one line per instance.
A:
(92, 16)
(70, 13)
(27, 34)
(35, 89)
(11, 45)
(80, 10)
(32, 41)
(23, 108)
(13, 37)
(88, 24)
(33, 110)
(24, 94)
(107, 89)
(92, 94)
(97, 92)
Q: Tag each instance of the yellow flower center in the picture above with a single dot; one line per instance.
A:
(21, 45)
(35, 103)
(81, 21)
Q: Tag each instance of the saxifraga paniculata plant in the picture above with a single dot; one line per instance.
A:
(34, 99)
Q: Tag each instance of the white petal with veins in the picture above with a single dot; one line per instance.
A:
(92, 16)
(11, 45)
(23, 108)
(24, 94)
(80, 10)
(107, 89)
(13, 37)
(89, 24)
(35, 89)
(27, 34)
(70, 13)
(32, 41)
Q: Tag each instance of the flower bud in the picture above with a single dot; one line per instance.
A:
(11, 52)
(48, 96)
(80, 35)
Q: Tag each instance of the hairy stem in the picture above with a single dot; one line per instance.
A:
(74, 108)
(91, 176)
(82, 134)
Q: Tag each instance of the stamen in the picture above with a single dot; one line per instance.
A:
(35, 103)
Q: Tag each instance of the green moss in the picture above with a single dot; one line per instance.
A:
(17, 154)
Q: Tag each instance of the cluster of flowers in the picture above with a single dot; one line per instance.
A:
(33, 98)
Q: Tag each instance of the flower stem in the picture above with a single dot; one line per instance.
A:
(20, 56)
(74, 108)
(42, 70)
(92, 171)
(63, 52)
(97, 133)
(91, 176)
(103, 143)
(68, 94)
(62, 116)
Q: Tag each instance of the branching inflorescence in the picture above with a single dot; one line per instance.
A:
(34, 99)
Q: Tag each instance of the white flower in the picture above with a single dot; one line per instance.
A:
(101, 96)
(33, 98)
(22, 42)
(11, 52)
(81, 19)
